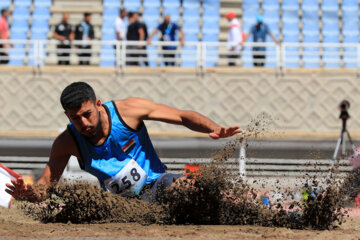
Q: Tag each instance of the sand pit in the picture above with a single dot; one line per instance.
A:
(14, 224)
(212, 204)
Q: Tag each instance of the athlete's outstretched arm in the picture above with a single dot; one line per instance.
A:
(59, 157)
(148, 110)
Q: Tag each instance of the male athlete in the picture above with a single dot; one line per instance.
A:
(111, 142)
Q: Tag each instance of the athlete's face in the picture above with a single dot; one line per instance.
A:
(86, 119)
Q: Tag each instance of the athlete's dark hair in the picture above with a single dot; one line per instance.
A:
(76, 94)
(87, 14)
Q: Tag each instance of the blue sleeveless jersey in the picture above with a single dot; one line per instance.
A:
(121, 145)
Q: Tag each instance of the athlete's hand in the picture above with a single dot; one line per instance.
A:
(20, 191)
(222, 132)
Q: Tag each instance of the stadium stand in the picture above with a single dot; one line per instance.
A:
(299, 21)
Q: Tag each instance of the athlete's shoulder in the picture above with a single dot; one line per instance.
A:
(132, 102)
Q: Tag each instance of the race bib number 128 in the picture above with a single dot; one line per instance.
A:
(129, 181)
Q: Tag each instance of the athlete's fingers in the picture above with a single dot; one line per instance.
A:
(10, 187)
(10, 192)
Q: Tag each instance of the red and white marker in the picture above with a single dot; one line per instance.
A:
(6, 175)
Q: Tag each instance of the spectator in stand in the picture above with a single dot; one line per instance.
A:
(120, 26)
(259, 31)
(63, 33)
(234, 38)
(144, 55)
(84, 32)
(4, 35)
(135, 32)
(168, 33)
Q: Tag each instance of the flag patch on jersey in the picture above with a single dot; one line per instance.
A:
(129, 145)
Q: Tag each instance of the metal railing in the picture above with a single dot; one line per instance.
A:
(199, 55)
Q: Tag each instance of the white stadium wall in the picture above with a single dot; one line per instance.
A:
(300, 102)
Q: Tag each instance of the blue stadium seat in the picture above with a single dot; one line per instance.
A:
(310, 27)
(311, 14)
(151, 12)
(107, 56)
(173, 18)
(270, 2)
(112, 3)
(330, 5)
(271, 13)
(247, 24)
(191, 13)
(111, 12)
(212, 56)
(191, 25)
(292, 57)
(19, 23)
(350, 57)
(310, 38)
(350, 27)
(19, 30)
(171, 4)
(152, 4)
(41, 12)
(151, 26)
(107, 60)
(39, 26)
(151, 20)
(18, 36)
(331, 57)
(331, 54)
(17, 56)
(22, 3)
(290, 14)
(309, 4)
(42, 3)
(152, 56)
(188, 56)
(351, 37)
(350, 13)
(250, 3)
(207, 37)
(330, 26)
(290, 26)
(38, 36)
(132, 5)
(246, 57)
(172, 11)
(273, 27)
(211, 12)
(210, 26)
(251, 12)
(290, 5)
(5, 4)
(211, 3)
(191, 37)
(109, 35)
(349, 3)
(331, 38)
(191, 4)
(21, 13)
(109, 22)
(311, 55)
(291, 37)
